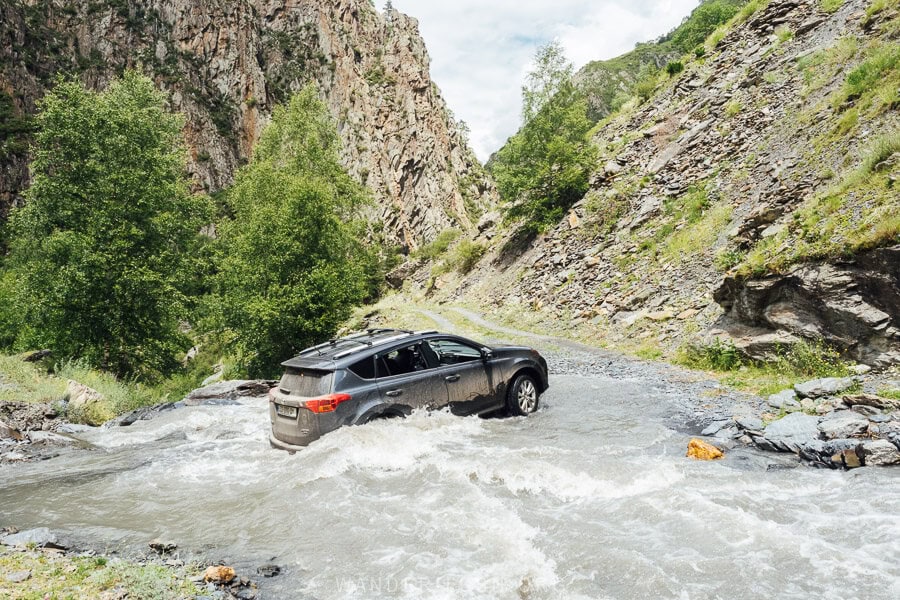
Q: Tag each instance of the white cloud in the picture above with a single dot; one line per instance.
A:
(481, 50)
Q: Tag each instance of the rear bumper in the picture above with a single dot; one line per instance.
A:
(276, 443)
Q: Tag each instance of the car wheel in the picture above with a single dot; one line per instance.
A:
(522, 397)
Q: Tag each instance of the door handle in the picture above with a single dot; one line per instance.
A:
(451, 378)
(393, 393)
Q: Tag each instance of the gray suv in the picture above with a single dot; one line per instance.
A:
(382, 373)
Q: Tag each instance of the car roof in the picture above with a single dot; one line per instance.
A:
(341, 352)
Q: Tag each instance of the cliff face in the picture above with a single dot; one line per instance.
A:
(762, 177)
(227, 62)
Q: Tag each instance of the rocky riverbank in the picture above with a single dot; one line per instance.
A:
(48, 564)
(31, 431)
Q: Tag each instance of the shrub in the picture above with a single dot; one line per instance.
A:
(466, 255)
(674, 68)
(717, 356)
(439, 245)
(699, 51)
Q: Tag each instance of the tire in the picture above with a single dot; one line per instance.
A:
(523, 396)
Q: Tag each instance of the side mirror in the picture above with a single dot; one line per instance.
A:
(487, 354)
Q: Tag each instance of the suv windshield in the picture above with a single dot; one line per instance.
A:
(305, 382)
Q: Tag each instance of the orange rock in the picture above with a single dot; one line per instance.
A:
(219, 574)
(703, 451)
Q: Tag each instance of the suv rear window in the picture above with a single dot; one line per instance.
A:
(305, 382)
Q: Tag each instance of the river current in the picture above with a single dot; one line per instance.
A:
(592, 497)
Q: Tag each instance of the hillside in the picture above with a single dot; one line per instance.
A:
(609, 83)
(752, 197)
(227, 63)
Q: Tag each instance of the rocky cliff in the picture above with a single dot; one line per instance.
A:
(761, 177)
(227, 62)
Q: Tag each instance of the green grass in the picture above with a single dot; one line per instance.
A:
(439, 246)
(873, 83)
(39, 382)
(893, 394)
(830, 6)
(790, 366)
(699, 234)
(72, 577)
(860, 212)
(733, 109)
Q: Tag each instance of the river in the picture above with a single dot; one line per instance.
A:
(591, 497)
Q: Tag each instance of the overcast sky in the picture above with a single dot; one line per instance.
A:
(481, 49)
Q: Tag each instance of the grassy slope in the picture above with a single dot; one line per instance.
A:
(65, 577)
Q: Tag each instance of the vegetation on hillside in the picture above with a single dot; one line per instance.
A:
(543, 169)
(608, 84)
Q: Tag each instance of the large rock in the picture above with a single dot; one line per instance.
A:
(828, 386)
(854, 305)
(784, 400)
(880, 453)
(791, 432)
(81, 396)
(40, 537)
(229, 391)
(843, 424)
(9, 433)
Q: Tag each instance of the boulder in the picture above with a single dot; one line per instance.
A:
(218, 574)
(40, 537)
(9, 433)
(753, 424)
(873, 401)
(781, 399)
(880, 453)
(701, 450)
(843, 424)
(789, 433)
(828, 386)
(715, 427)
(229, 391)
(81, 396)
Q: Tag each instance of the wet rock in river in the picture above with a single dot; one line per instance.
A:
(229, 391)
(162, 547)
(702, 450)
(789, 433)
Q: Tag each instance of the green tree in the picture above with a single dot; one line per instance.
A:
(544, 168)
(100, 247)
(293, 265)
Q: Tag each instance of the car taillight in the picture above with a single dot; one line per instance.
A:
(324, 404)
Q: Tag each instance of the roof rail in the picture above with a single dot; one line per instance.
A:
(404, 334)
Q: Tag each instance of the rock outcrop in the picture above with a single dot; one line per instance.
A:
(227, 62)
(853, 305)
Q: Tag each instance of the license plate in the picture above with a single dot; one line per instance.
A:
(286, 411)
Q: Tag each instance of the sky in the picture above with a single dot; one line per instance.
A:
(481, 50)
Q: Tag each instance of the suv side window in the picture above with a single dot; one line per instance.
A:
(364, 368)
(402, 360)
(451, 352)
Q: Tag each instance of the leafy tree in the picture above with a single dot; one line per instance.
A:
(100, 247)
(292, 265)
(702, 22)
(544, 168)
